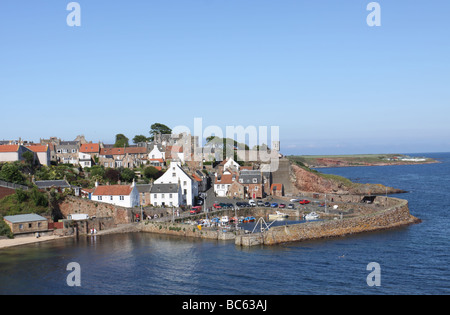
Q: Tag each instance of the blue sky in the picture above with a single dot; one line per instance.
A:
(331, 83)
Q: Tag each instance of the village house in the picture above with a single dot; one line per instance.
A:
(223, 182)
(128, 157)
(176, 175)
(26, 223)
(157, 157)
(120, 195)
(277, 190)
(236, 190)
(93, 149)
(67, 152)
(42, 153)
(167, 195)
(12, 152)
(253, 182)
(144, 194)
(85, 160)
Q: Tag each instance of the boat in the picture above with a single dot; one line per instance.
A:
(241, 219)
(249, 219)
(224, 219)
(277, 215)
(311, 216)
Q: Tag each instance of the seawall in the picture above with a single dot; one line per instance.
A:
(392, 217)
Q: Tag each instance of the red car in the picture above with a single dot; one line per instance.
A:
(217, 206)
(196, 210)
(304, 202)
(282, 205)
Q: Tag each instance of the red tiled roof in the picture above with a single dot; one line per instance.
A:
(122, 151)
(38, 148)
(113, 190)
(226, 179)
(9, 148)
(90, 148)
(276, 187)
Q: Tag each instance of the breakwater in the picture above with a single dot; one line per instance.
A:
(392, 217)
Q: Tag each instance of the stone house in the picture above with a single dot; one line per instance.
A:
(236, 190)
(277, 190)
(26, 223)
(67, 152)
(223, 182)
(253, 182)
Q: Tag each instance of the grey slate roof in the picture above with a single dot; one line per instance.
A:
(143, 188)
(42, 184)
(164, 189)
(247, 176)
(21, 218)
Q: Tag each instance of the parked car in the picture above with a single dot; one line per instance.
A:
(291, 206)
(217, 206)
(282, 205)
(252, 203)
(260, 203)
(195, 210)
(304, 202)
(274, 205)
(267, 204)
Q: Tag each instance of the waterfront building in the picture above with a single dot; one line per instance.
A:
(166, 195)
(120, 195)
(26, 223)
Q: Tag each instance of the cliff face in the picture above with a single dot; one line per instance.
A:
(310, 181)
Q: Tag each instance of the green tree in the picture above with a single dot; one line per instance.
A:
(112, 175)
(151, 172)
(127, 175)
(158, 128)
(140, 138)
(11, 173)
(121, 141)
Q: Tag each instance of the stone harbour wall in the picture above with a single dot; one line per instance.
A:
(184, 230)
(72, 205)
(392, 217)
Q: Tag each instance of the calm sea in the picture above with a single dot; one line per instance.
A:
(412, 260)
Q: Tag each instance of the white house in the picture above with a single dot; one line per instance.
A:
(223, 182)
(120, 195)
(176, 175)
(12, 153)
(156, 154)
(231, 164)
(166, 195)
(84, 159)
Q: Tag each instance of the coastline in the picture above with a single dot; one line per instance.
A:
(27, 240)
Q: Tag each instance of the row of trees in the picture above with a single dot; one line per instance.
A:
(156, 128)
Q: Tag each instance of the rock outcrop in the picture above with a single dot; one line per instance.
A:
(311, 181)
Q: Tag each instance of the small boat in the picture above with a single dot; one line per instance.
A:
(278, 215)
(311, 216)
(249, 219)
(224, 219)
(241, 219)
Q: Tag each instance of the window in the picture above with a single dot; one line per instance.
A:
(155, 196)
(21, 226)
(255, 180)
(30, 225)
(121, 198)
(162, 196)
(184, 183)
(241, 180)
(111, 197)
(99, 197)
(174, 174)
(58, 151)
(170, 195)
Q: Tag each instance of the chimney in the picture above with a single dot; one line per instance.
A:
(96, 183)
